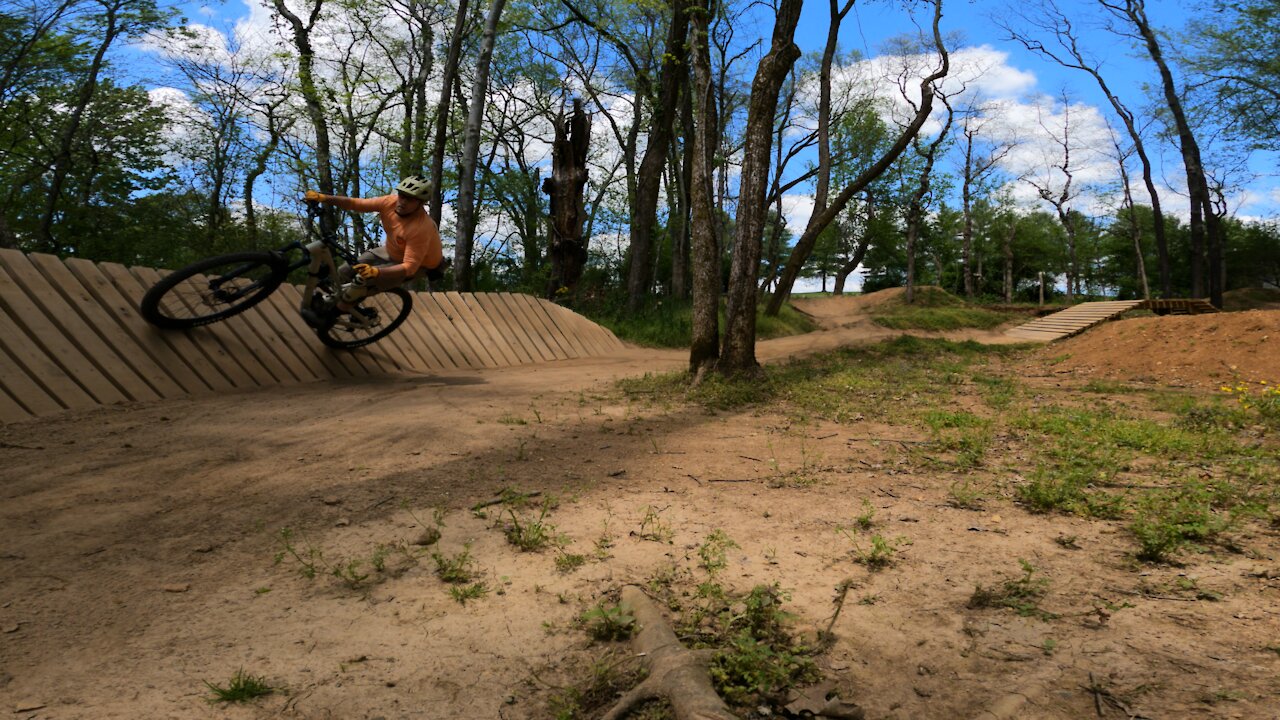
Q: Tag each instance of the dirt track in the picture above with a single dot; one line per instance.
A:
(136, 560)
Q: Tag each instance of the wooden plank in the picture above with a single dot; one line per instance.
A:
(274, 316)
(246, 328)
(533, 326)
(439, 321)
(485, 328)
(511, 329)
(394, 345)
(10, 410)
(542, 326)
(210, 343)
(132, 289)
(112, 302)
(53, 342)
(465, 326)
(259, 321)
(574, 323)
(420, 342)
(107, 327)
(291, 303)
(553, 314)
(22, 383)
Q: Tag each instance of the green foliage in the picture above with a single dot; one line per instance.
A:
(463, 593)
(669, 323)
(457, 569)
(760, 662)
(609, 622)
(529, 533)
(1022, 594)
(1168, 521)
(242, 687)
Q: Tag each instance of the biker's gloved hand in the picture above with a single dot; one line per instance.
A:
(312, 196)
(365, 271)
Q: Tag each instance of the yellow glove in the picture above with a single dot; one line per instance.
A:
(312, 196)
(366, 272)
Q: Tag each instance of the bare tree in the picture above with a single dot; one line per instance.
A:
(1207, 231)
(567, 248)
(923, 192)
(1130, 211)
(1049, 19)
(449, 75)
(470, 151)
(820, 220)
(981, 159)
(1064, 197)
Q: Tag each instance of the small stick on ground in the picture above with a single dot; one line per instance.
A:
(675, 672)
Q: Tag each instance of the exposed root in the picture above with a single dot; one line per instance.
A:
(675, 672)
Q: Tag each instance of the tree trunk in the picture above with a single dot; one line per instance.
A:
(820, 220)
(1207, 232)
(740, 311)
(704, 347)
(315, 108)
(448, 75)
(680, 230)
(1008, 259)
(649, 179)
(67, 138)
(470, 152)
(566, 247)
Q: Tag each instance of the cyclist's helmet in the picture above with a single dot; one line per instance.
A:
(415, 186)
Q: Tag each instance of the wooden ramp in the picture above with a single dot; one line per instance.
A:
(1073, 320)
(71, 339)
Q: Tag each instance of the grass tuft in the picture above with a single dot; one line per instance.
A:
(242, 687)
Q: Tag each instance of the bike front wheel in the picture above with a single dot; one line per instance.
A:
(213, 289)
(377, 317)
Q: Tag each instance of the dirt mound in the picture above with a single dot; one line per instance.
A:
(1251, 299)
(1203, 351)
(839, 310)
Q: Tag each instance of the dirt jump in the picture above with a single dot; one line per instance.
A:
(152, 550)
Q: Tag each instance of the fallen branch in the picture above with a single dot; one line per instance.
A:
(674, 672)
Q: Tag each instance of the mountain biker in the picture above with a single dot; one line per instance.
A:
(413, 246)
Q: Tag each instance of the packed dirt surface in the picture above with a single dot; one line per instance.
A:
(1202, 351)
(138, 556)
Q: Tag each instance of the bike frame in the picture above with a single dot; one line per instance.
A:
(316, 255)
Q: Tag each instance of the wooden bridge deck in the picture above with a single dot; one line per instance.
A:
(1075, 319)
(1081, 317)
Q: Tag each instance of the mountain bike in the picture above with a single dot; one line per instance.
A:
(220, 287)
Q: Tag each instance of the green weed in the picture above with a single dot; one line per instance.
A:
(457, 569)
(463, 593)
(242, 687)
(532, 534)
(1021, 594)
(609, 622)
(654, 528)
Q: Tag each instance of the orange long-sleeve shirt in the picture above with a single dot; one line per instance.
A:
(412, 240)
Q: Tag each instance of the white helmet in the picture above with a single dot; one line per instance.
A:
(415, 186)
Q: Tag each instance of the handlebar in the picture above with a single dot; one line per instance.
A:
(330, 239)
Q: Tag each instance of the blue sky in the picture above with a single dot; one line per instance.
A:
(1029, 87)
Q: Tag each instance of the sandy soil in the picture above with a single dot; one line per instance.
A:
(138, 544)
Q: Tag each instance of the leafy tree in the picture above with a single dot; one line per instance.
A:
(1236, 52)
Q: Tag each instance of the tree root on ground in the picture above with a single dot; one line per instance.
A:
(675, 673)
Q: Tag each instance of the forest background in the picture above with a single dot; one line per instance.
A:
(743, 150)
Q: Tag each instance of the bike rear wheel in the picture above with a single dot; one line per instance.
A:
(213, 289)
(382, 314)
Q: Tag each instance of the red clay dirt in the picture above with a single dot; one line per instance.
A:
(137, 557)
